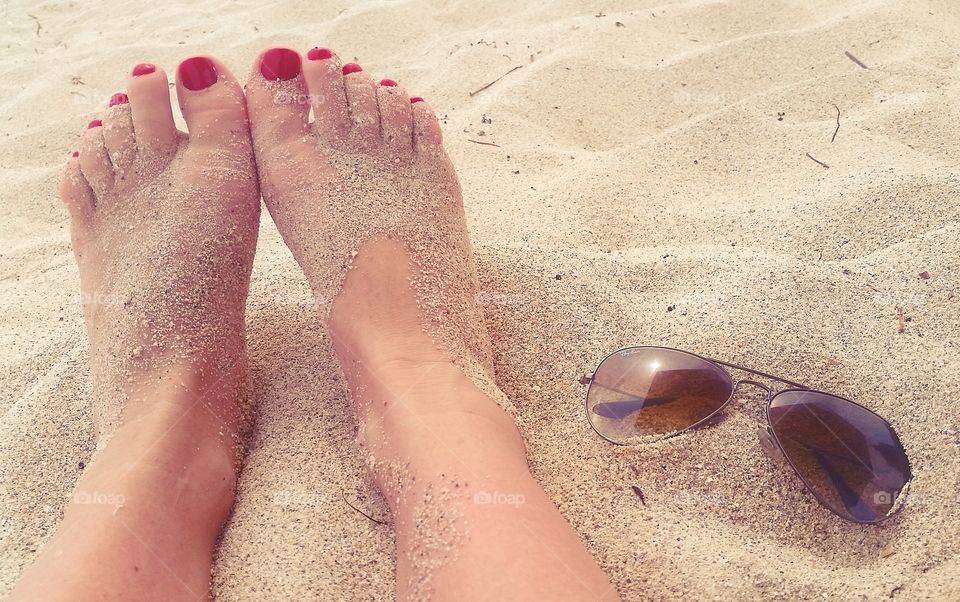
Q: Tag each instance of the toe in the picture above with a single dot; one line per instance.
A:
(276, 100)
(150, 109)
(426, 129)
(212, 103)
(118, 135)
(324, 76)
(95, 161)
(76, 194)
(364, 112)
(396, 118)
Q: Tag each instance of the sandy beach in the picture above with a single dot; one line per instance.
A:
(775, 184)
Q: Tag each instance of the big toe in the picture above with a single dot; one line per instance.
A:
(212, 104)
(277, 100)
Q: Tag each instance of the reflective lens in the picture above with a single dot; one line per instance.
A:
(849, 457)
(645, 391)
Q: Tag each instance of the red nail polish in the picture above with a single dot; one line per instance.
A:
(94, 124)
(118, 99)
(280, 64)
(75, 154)
(351, 68)
(197, 73)
(389, 83)
(143, 69)
(414, 99)
(316, 54)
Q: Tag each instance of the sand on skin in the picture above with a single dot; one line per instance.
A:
(655, 172)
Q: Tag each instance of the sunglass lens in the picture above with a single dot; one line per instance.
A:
(849, 457)
(646, 391)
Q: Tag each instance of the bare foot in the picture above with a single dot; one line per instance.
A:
(370, 205)
(164, 227)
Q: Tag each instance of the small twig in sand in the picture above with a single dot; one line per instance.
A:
(347, 502)
(479, 90)
(838, 124)
(639, 493)
(825, 166)
(901, 325)
(38, 24)
(483, 143)
(855, 59)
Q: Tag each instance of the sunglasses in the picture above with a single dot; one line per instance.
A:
(846, 455)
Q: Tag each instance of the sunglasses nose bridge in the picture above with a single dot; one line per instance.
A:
(769, 446)
(755, 384)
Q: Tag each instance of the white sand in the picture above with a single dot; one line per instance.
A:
(654, 173)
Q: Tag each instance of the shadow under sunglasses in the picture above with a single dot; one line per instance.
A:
(849, 457)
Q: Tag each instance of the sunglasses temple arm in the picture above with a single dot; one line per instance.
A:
(759, 373)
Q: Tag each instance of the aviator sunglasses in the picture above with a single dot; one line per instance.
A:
(847, 456)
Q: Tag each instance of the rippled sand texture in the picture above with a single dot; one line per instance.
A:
(642, 176)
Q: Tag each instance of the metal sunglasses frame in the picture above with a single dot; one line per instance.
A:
(587, 379)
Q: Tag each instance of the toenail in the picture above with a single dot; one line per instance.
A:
(94, 124)
(414, 99)
(351, 68)
(75, 154)
(118, 99)
(143, 69)
(316, 54)
(280, 64)
(198, 73)
(388, 83)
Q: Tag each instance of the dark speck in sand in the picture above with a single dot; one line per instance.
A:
(924, 275)
(671, 307)
(558, 277)
(81, 465)
(639, 493)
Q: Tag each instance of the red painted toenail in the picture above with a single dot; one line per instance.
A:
(143, 69)
(389, 83)
(75, 154)
(118, 99)
(414, 99)
(316, 54)
(94, 124)
(280, 64)
(351, 68)
(197, 73)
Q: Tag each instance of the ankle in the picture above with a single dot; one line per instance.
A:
(427, 414)
(180, 475)
(189, 401)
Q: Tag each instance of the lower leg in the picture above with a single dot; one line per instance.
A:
(468, 514)
(144, 518)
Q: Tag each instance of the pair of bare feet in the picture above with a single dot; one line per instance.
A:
(164, 227)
